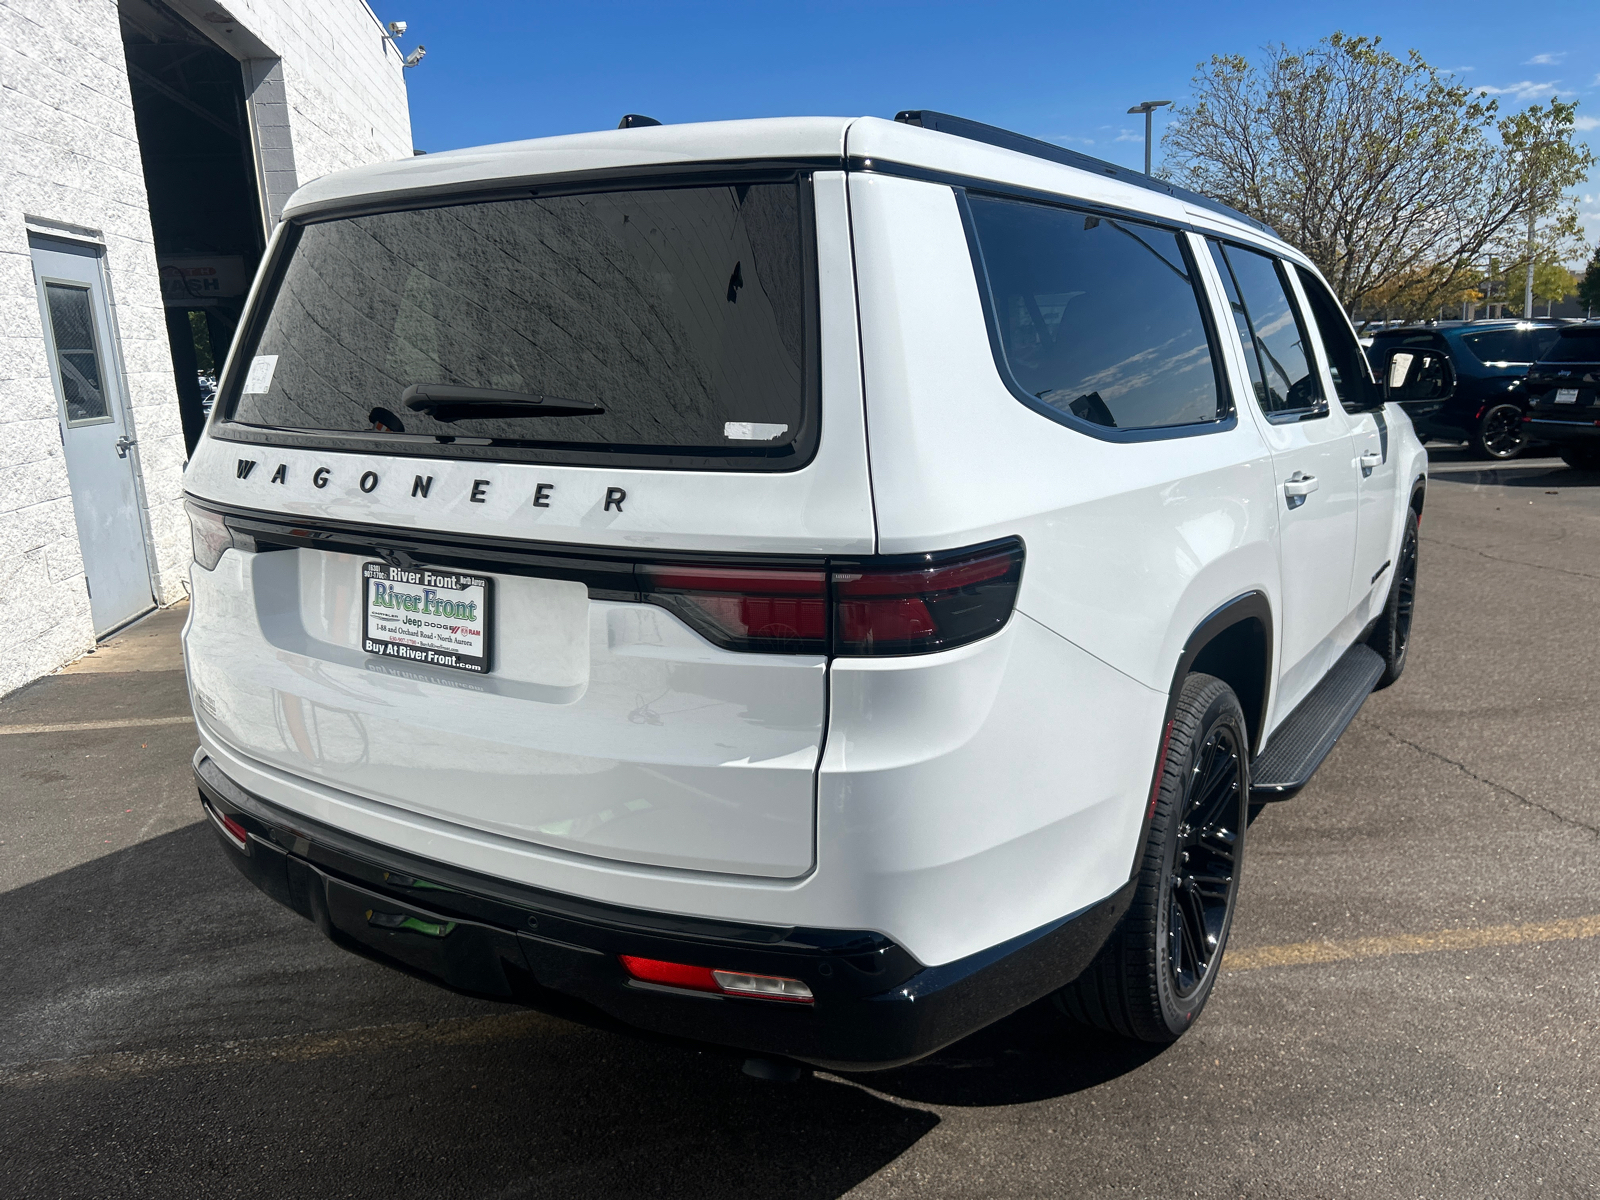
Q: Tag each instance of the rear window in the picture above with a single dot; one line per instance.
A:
(670, 325)
(1096, 319)
(1497, 346)
(1576, 345)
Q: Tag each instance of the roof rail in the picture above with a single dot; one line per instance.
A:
(993, 135)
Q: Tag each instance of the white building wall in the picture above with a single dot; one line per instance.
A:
(69, 160)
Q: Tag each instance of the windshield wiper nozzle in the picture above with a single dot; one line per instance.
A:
(448, 402)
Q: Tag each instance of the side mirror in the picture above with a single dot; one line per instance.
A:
(1412, 374)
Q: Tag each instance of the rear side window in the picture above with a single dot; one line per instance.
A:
(1286, 386)
(1504, 347)
(1096, 320)
(1576, 345)
(672, 325)
(1346, 363)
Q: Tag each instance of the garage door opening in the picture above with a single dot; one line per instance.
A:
(200, 173)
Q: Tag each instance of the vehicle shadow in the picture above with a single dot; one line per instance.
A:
(167, 1030)
(1539, 469)
(1035, 1054)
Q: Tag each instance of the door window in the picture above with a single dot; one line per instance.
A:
(1286, 384)
(1346, 363)
(72, 329)
(1096, 319)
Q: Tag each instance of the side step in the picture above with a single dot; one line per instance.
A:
(1299, 745)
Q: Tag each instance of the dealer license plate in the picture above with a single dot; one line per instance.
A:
(1567, 396)
(421, 615)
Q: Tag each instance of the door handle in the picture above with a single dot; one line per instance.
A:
(122, 444)
(1370, 461)
(1298, 486)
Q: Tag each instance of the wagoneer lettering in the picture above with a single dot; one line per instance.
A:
(834, 748)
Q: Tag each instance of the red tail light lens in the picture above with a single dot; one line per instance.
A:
(947, 601)
(901, 605)
(781, 611)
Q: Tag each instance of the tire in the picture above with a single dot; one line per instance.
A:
(1391, 636)
(1499, 433)
(1153, 977)
(1581, 458)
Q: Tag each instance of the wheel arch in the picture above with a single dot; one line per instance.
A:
(1234, 643)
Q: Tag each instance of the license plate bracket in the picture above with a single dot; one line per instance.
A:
(427, 616)
(1566, 395)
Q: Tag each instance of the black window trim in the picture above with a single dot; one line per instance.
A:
(1283, 416)
(1227, 402)
(1369, 383)
(735, 460)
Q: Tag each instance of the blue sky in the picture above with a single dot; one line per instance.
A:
(496, 71)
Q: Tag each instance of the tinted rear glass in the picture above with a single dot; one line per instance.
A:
(1097, 318)
(1576, 345)
(1509, 345)
(681, 313)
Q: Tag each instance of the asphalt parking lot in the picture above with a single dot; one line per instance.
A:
(1411, 1004)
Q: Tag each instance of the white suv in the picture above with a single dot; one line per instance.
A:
(813, 586)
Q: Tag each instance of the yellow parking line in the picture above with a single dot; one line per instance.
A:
(74, 726)
(1303, 953)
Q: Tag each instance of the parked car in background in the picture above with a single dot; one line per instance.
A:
(1564, 394)
(1484, 365)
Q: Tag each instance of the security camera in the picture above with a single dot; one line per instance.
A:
(396, 28)
(415, 56)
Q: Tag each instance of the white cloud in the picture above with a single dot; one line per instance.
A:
(1545, 60)
(1586, 123)
(1524, 90)
(1130, 135)
(1064, 139)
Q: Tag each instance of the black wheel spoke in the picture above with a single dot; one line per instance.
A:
(1203, 882)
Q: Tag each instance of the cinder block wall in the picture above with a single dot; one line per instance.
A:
(69, 159)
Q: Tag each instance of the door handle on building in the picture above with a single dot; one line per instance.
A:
(1370, 462)
(122, 444)
(1298, 486)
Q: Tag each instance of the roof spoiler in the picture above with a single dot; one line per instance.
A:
(993, 135)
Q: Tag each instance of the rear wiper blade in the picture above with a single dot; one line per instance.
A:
(447, 402)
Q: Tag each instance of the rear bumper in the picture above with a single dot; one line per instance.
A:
(1550, 430)
(875, 1005)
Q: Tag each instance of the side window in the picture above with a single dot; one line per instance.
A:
(1097, 318)
(1346, 363)
(1543, 340)
(1285, 382)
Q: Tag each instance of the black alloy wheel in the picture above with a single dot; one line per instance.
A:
(1153, 976)
(1391, 636)
(1500, 434)
(1205, 876)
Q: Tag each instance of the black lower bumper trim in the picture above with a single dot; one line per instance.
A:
(875, 1005)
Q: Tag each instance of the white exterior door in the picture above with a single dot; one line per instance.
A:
(1312, 460)
(94, 432)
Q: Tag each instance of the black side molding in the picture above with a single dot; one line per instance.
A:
(1300, 744)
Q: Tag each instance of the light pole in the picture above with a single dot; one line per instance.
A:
(1147, 107)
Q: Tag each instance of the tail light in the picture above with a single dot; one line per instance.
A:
(902, 605)
(781, 611)
(708, 979)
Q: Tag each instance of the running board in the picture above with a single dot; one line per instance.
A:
(1299, 745)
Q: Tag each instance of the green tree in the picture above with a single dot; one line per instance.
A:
(1589, 285)
(1395, 179)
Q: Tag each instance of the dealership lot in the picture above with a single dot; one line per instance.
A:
(1409, 1008)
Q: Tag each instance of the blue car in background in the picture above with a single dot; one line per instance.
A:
(1479, 368)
